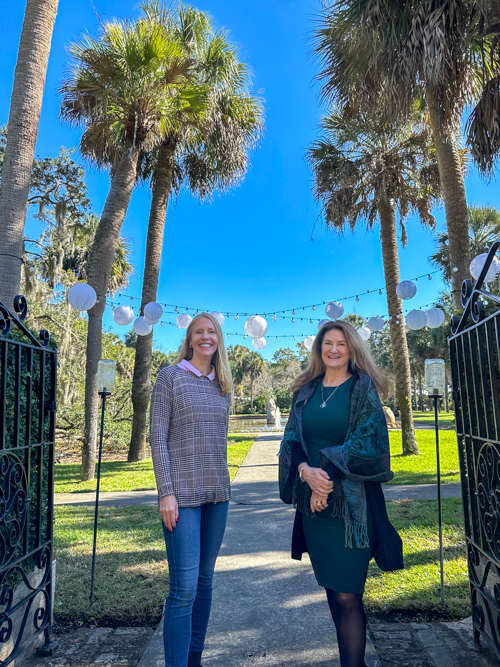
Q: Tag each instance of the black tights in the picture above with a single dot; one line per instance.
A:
(350, 621)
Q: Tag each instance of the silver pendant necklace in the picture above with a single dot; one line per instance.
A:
(323, 405)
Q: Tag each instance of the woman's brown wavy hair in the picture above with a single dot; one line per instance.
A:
(361, 359)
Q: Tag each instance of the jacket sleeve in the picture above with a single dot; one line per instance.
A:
(160, 411)
(287, 471)
(366, 455)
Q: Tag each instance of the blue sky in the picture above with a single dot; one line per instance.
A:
(249, 250)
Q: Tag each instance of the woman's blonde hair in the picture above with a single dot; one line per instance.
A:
(220, 360)
(361, 359)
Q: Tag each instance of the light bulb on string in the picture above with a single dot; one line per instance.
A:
(380, 291)
(357, 297)
(274, 317)
(293, 320)
(176, 310)
(293, 312)
(314, 308)
(429, 276)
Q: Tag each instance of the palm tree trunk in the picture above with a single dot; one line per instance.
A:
(141, 384)
(251, 395)
(100, 263)
(455, 202)
(420, 392)
(399, 344)
(22, 130)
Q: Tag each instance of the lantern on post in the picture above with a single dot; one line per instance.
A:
(106, 373)
(435, 379)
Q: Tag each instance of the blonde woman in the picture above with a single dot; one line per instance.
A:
(334, 455)
(189, 423)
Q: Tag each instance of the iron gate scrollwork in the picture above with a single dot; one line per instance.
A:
(475, 368)
(27, 431)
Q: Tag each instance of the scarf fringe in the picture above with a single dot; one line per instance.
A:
(360, 534)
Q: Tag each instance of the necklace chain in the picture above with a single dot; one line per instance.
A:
(323, 404)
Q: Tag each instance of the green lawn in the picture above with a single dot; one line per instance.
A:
(421, 469)
(446, 419)
(415, 591)
(123, 476)
(132, 574)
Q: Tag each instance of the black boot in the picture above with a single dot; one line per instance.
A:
(194, 659)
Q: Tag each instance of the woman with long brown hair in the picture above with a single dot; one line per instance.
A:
(334, 455)
(189, 423)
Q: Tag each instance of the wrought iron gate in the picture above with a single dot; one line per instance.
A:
(27, 428)
(475, 367)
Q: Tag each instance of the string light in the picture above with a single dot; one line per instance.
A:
(293, 310)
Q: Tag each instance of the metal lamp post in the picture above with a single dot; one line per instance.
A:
(106, 371)
(435, 379)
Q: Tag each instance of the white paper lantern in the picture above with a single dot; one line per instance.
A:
(435, 318)
(183, 320)
(376, 323)
(334, 310)
(406, 289)
(141, 327)
(477, 264)
(218, 316)
(123, 315)
(320, 324)
(416, 319)
(365, 333)
(82, 297)
(259, 343)
(308, 342)
(256, 326)
(152, 312)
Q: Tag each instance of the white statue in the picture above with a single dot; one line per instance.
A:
(271, 411)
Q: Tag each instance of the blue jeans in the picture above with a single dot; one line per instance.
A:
(192, 549)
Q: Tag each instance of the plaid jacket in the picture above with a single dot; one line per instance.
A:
(188, 426)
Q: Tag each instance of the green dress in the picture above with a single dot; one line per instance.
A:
(337, 567)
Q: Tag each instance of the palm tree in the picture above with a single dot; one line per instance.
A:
(205, 154)
(483, 129)
(399, 52)
(25, 108)
(253, 366)
(119, 92)
(365, 169)
(484, 229)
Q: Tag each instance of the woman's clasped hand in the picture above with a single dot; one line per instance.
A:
(320, 484)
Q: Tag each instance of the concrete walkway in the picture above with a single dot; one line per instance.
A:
(267, 609)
